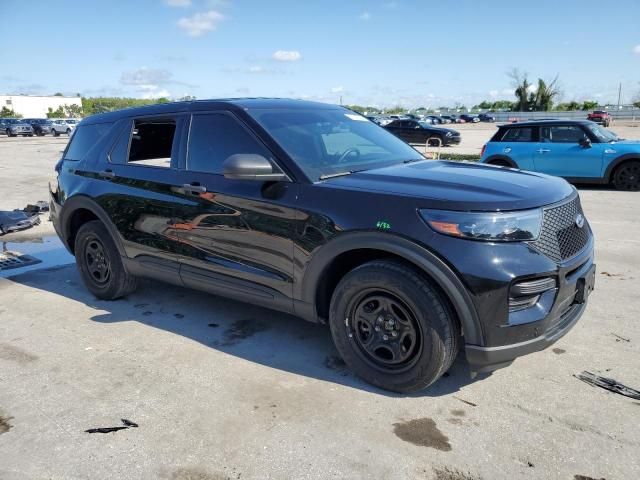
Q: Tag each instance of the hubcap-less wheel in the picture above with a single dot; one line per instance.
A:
(97, 261)
(384, 330)
(628, 176)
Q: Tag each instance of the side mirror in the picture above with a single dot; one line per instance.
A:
(249, 166)
(585, 142)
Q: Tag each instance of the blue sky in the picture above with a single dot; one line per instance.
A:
(376, 52)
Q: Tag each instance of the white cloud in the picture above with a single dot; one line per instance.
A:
(178, 3)
(287, 55)
(153, 91)
(200, 23)
(146, 76)
(339, 89)
(636, 49)
(365, 16)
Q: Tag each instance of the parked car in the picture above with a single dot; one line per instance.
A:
(435, 120)
(470, 118)
(448, 118)
(457, 119)
(579, 150)
(41, 126)
(307, 208)
(13, 127)
(59, 126)
(486, 117)
(412, 131)
(600, 116)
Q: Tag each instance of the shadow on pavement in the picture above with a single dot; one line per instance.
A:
(273, 339)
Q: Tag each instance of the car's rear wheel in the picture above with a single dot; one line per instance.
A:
(627, 176)
(68, 131)
(392, 327)
(500, 163)
(100, 263)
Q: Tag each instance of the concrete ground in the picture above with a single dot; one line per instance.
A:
(220, 389)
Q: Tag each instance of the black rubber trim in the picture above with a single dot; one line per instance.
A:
(440, 273)
(486, 359)
(76, 202)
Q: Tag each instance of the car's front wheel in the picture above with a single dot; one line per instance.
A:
(435, 141)
(392, 327)
(54, 133)
(627, 176)
(100, 263)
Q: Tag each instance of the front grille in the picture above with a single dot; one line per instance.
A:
(560, 238)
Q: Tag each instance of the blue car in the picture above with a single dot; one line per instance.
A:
(578, 150)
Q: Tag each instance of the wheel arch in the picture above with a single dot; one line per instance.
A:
(615, 163)
(500, 158)
(347, 251)
(76, 212)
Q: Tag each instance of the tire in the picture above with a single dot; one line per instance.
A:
(100, 264)
(392, 327)
(54, 133)
(627, 176)
(68, 132)
(435, 141)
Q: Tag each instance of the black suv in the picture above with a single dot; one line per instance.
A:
(313, 210)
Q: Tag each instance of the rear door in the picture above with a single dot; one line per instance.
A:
(559, 152)
(236, 236)
(138, 189)
(518, 144)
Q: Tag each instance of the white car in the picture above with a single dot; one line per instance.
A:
(60, 125)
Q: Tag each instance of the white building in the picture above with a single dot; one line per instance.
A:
(34, 106)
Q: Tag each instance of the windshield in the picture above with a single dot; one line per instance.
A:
(324, 142)
(425, 124)
(603, 134)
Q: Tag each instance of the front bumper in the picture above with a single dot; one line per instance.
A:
(575, 281)
(452, 140)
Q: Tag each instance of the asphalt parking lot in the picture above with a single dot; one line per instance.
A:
(219, 389)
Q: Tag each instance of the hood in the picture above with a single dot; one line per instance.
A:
(461, 186)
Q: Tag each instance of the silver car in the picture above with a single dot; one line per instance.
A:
(15, 126)
(60, 125)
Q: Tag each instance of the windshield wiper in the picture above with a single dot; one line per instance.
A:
(341, 174)
(333, 175)
(411, 160)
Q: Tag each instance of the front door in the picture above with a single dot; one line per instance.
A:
(236, 235)
(559, 152)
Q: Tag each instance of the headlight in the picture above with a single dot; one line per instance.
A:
(449, 134)
(488, 226)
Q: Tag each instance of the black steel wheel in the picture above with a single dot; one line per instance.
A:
(97, 260)
(384, 330)
(392, 326)
(627, 176)
(100, 263)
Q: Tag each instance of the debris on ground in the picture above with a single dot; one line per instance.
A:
(618, 338)
(39, 206)
(13, 221)
(10, 260)
(465, 401)
(126, 424)
(608, 384)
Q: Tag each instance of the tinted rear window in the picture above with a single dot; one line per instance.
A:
(84, 139)
(518, 135)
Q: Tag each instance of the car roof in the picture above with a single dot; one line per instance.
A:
(534, 123)
(212, 104)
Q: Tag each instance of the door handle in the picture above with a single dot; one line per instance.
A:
(543, 150)
(194, 188)
(107, 174)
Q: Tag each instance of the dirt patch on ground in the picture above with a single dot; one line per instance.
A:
(422, 432)
(448, 473)
(16, 354)
(5, 426)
